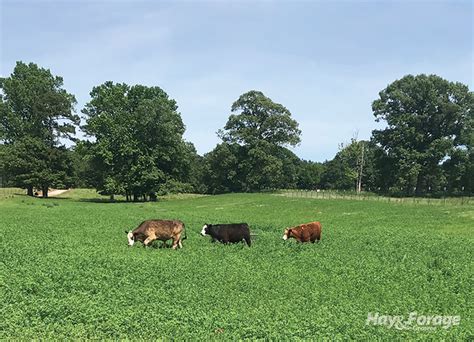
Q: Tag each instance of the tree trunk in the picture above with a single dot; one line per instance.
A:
(112, 197)
(29, 190)
(419, 185)
(135, 198)
(45, 192)
(359, 176)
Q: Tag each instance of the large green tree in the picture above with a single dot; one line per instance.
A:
(309, 174)
(427, 119)
(223, 169)
(237, 168)
(258, 118)
(86, 173)
(254, 154)
(35, 111)
(337, 174)
(269, 166)
(139, 148)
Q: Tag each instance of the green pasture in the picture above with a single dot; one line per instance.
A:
(66, 271)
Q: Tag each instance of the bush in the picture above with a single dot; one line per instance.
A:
(172, 186)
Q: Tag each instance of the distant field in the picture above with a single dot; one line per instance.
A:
(368, 196)
(91, 195)
(66, 271)
(10, 192)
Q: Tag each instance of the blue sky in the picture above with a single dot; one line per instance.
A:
(325, 61)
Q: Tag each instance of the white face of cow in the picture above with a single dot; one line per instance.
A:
(130, 239)
(203, 231)
(285, 235)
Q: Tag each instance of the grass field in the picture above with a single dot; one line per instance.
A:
(66, 271)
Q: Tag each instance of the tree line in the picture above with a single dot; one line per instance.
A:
(135, 144)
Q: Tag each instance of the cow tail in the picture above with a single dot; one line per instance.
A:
(184, 228)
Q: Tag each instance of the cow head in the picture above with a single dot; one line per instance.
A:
(287, 234)
(130, 238)
(205, 230)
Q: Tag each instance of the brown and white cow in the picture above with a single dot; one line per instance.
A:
(151, 230)
(304, 232)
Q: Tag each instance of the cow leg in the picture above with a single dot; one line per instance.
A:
(247, 240)
(179, 241)
(149, 240)
(175, 242)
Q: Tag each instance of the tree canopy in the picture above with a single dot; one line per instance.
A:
(427, 121)
(139, 145)
(253, 155)
(35, 111)
(260, 119)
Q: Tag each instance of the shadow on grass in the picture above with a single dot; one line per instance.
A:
(108, 200)
(51, 198)
(162, 244)
(157, 244)
(23, 196)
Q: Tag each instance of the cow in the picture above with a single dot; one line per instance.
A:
(304, 232)
(227, 233)
(151, 230)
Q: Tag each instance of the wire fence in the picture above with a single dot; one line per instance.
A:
(368, 196)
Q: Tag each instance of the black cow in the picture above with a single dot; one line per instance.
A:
(225, 233)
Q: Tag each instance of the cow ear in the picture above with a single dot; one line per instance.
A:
(126, 232)
(289, 231)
